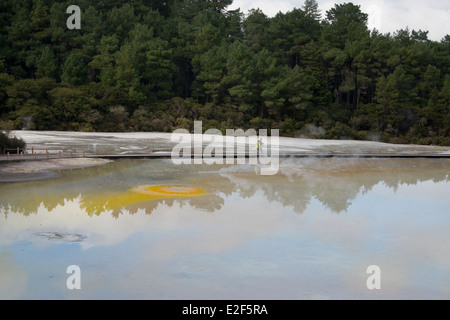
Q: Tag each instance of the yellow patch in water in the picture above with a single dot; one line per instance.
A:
(137, 195)
(169, 191)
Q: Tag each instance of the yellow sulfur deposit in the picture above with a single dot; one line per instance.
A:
(169, 191)
(136, 195)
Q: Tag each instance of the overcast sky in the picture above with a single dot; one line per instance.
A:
(384, 15)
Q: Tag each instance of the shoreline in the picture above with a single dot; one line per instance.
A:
(110, 143)
(29, 170)
(104, 147)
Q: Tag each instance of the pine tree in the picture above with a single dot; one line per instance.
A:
(46, 65)
(311, 8)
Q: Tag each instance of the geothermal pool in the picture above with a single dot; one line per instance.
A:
(149, 229)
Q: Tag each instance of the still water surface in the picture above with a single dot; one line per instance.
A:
(309, 232)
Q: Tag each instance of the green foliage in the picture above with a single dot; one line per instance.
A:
(158, 65)
(10, 142)
(342, 132)
(47, 65)
(74, 71)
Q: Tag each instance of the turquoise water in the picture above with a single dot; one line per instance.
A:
(309, 232)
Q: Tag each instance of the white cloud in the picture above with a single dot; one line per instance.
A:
(386, 16)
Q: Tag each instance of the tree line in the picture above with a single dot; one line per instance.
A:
(147, 65)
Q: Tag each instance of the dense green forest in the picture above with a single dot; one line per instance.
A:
(147, 65)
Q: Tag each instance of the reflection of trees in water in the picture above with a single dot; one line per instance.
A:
(26, 198)
(335, 183)
(97, 206)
